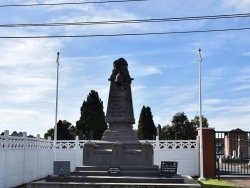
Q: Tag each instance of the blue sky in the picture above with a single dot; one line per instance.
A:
(164, 67)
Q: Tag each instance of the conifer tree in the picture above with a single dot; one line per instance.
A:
(91, 124)
(146, 126)
(63, 130)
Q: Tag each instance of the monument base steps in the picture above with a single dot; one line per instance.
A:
(129, 177)
(140, 171)
(188, 183)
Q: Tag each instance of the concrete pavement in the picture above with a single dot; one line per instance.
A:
(238, 181)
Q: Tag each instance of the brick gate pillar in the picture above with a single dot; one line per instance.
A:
(209, 163)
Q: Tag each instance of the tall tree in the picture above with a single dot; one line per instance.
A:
(65, 131)
(179, 123)
(146, 126)
(181, 128)
(72, 132)
(91, 124)
(196, 121)
(167, 133)
(50, 133)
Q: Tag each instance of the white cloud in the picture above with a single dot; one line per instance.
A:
(211, 101)
(29, 70)
(30, 51)
(242, 87)
(236, 5)
(246, 54)
(226, 124)
(138, 87)
(241, 81)
(149, 70)
(19, 119)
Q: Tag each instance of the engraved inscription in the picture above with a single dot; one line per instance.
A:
(116, 108)
(120, 100)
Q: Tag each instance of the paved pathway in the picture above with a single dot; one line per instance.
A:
(242, 181)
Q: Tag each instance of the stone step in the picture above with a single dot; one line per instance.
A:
(122, 173)
(122, 168)
(111, 179)
(188, 183)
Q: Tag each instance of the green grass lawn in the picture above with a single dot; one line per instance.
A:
(212, 183)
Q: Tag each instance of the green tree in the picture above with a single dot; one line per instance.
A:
(91, 124)
(65, 131)
(72, 132)
(167, 133)
(179, 123)
(190, 132)
(196, 121)
(181, 128)
(31, 136)
(146, 126)
(50, 133)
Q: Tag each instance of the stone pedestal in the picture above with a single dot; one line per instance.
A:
(114, 154)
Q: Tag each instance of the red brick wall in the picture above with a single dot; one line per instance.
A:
(208, 152)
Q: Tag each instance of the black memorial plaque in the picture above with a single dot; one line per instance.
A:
(62, 168)
(169, 168)
(114, 171)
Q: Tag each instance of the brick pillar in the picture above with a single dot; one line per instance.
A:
(208, 135)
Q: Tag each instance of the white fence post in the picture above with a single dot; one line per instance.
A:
(76, 151)
(198, 152)
(157, 143)
(6, 137)
(38, 155)
(156, 149)
(51, 157)
(24, 156)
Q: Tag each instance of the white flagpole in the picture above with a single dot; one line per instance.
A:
(200, 109)
(55, 128)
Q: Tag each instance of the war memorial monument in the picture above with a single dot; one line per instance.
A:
(119, 145)
(119, 159)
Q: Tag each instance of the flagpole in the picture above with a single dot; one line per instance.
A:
(200, 111)
(55, 128)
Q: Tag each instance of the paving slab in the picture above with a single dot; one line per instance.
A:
(238, 181)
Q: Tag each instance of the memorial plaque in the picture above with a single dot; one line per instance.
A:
(62, 168)
(169, 168)
(114, 171)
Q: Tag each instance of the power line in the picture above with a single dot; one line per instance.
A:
(131, 21)
(127, 34)
(80, 3)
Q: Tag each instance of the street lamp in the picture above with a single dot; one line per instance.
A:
(200, 110)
